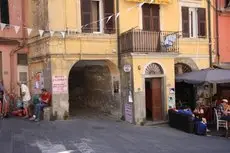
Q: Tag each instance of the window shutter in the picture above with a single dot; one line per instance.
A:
(146, 17)
(109, 27)
(185, 21)
(201, 12)
(5, 11)
(86, 15)
(156, 17)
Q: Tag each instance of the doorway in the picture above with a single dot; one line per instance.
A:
(154, 101)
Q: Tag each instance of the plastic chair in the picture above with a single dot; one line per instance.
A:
(220, 123)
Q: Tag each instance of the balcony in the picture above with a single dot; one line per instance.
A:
(139, 41)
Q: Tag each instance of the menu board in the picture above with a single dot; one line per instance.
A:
(129, 112)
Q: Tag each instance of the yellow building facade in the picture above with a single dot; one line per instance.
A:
(110, 62)
(154, 64)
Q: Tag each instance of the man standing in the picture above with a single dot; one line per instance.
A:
(25, 95)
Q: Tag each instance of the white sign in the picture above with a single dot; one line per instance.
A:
(60, 84)
(127, 68)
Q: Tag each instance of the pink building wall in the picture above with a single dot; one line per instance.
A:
(224, 31)
(10, 41)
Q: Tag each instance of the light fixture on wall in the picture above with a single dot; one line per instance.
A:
(139, 67)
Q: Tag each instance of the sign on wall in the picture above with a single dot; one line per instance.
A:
(59, 84)
(171, 100)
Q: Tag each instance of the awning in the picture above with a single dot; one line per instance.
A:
(152, 1)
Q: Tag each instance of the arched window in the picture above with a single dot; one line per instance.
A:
(181, 68)
(154, 69)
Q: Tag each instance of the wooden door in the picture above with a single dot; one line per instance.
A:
(157, 106)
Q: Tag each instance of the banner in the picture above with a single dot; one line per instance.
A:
(152, 1)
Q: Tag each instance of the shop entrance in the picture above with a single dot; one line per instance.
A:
(154, 103)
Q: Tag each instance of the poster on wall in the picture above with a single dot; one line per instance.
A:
(171, 98)
(59, 84)
(129, 112)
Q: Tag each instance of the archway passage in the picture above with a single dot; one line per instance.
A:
(94, 88)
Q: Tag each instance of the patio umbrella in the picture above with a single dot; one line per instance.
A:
(205, 76)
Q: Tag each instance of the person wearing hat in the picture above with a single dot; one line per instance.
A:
(223, 110)
(44, 101)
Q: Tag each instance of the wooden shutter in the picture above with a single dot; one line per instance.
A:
(155, 17)
(4, 11)
(146, 17)
(86, 15)
(109, 27)
(151, 17)
(201, 13)
(185, 21)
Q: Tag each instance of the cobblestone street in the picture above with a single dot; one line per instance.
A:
(101, 136)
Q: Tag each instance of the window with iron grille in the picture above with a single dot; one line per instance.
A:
(22, 59)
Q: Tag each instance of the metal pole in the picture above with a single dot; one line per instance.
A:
(209, 33)
(217, 33)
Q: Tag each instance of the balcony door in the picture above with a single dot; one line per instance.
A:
(151, 17)
(151, 26)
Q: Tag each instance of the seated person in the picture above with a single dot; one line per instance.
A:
(44, 101)
(222, 110)
(185, 110)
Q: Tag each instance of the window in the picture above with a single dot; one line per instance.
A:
(22, 59)
(95, 10)
(96, 16)
(151, 17)
(193, 22)
(23, 77)
(4, 11)
(227, 3)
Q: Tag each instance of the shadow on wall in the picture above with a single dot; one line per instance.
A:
(91, 87)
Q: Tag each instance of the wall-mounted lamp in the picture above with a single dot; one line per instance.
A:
(139, 67)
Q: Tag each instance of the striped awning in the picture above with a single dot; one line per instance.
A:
(152, 1)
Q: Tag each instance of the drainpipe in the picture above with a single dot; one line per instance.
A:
(20, 46)
(209, 33)
(118, 36)
(217, 33)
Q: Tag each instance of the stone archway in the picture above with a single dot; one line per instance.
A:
(94, 87)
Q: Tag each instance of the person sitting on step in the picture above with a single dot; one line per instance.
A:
(44, 101)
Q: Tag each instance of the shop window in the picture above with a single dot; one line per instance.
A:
(193, 22)
(92, 11)
(22, 59)
(4, 11)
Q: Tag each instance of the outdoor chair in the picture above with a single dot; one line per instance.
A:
(220, 123)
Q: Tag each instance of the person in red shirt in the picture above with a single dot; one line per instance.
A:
(44, 99)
